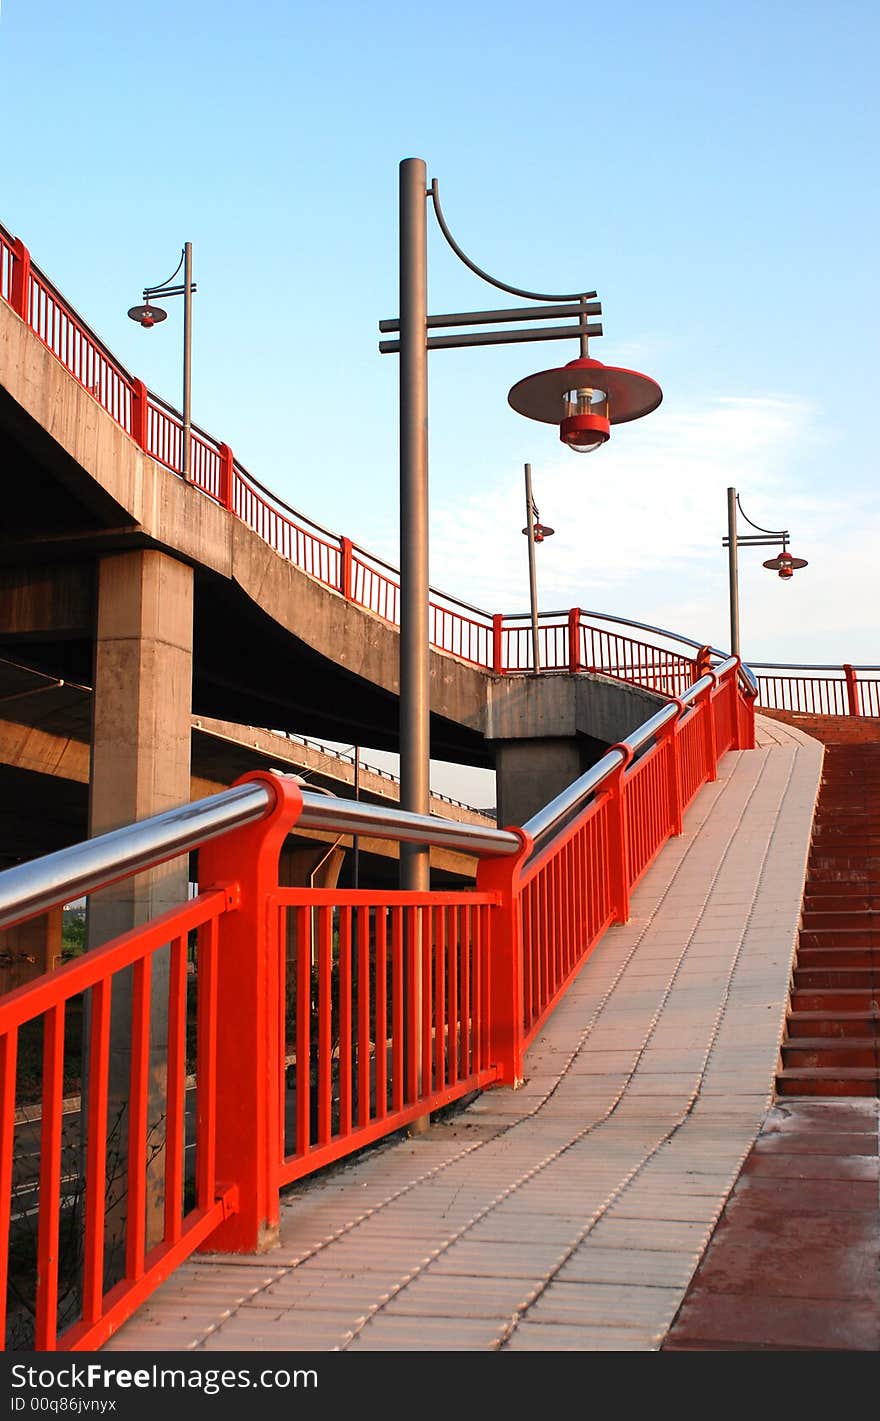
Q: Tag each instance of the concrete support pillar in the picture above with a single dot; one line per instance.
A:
(142, 707)
(529, 773)
(141, 728)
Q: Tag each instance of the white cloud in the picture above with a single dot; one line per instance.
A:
(639, 526)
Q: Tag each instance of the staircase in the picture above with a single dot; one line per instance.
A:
(832, 1039)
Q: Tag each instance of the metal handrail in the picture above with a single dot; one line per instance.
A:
(347, 816)
(549, 819)
(69, 873)
(800, 666)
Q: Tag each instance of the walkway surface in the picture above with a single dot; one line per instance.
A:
(574, 1212)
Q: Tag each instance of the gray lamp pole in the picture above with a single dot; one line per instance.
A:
(186, 459)
(784, 565)
(630, 394)
(533, 581)
(149, 315)
(414, 662)
(536, 532)
(733, 571)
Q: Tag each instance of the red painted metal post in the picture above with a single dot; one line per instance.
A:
(497, 662)
(345, 561)
(618, 848)
(139, 414)
(248, 966)
(706, 704)
(574, 640)
(853, 699)
(702, 662)
(505, 1004)
(20, 290)
(669, 738)
(227, 477)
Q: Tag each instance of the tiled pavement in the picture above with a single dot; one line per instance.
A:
(572, 1213)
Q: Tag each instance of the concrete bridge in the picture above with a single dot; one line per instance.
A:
(620, 973)
(164, 614)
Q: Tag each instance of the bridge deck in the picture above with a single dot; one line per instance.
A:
(571, 1213)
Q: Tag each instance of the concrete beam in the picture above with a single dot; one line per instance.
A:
(547, 730)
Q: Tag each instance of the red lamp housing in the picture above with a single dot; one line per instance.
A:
(785, 564)
(541, 531)
(147, 315)
(585, 398)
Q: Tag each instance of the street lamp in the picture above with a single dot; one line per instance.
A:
(536, 532)
(784, 564)
(149, 315)
(584, 398)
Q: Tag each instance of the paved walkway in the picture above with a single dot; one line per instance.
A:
(574, 1212)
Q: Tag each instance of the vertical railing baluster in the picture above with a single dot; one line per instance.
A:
(363, 956)
(325, 985)
(206, 1065)
(381, 940)
(96, 1150)
(440, 998)
(46, 1325)
(345, 1023)
(136, 1183)
(8, 1064)
(175, 1140)
(427, 922)
(303, 1030)
(452, 1005)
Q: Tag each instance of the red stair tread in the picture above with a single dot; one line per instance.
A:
(832, 1040)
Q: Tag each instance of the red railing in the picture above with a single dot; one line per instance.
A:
(384, 1000)
(582, 880)
(73, 1266)
(314, 1021)
(819, 690)
(496, 643)
(568, 641)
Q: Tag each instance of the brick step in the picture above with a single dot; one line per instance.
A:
(836, 1025)
(846, 821)
(835, 894)
(836, 904)
(835, 999)
(838, 1081)
(855, 786)
(826, 870)
(839, 957)
(833, 838)
(808, 978)
(855, 817)
(810, 1053)
(839, 937)
(853, 919)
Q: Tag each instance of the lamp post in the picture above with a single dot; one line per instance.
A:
(149, 315)
(536, 532)
(784, 564)
(584, 399)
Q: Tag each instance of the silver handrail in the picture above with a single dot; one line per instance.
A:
(60, 877)
(69, 873)
(347, 816)
(34, 887)
(790, 666)
(574, 797)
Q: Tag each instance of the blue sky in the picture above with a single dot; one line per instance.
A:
(710, 169)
